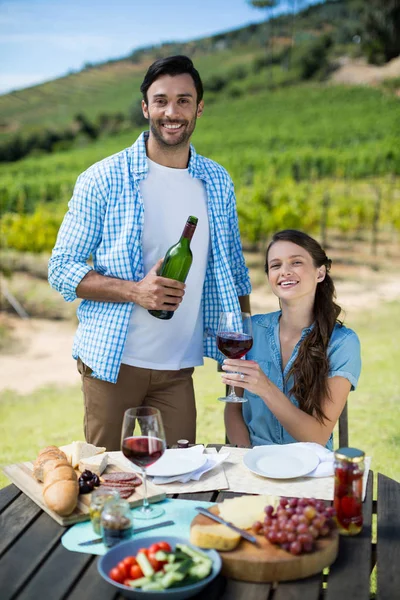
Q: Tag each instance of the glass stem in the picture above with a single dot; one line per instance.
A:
(231, 391)
(146, 506)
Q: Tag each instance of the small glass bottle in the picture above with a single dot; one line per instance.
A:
(116, 522)
(349, 471)
(97, 501)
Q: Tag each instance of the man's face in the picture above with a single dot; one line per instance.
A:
(172, 109)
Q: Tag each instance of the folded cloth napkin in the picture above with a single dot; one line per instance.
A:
(213, 460)
(325, 466)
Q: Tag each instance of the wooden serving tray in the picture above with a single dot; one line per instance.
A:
(21, 474)
(267, 562)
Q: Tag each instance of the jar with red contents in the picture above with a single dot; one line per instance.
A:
(349, 471)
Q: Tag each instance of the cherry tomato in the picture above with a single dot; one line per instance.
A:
(156, 564)
(154, 548)
(116, 575)
(123, 569)
(164, 546)
(135, 572)
(144, 551)
(129, 561)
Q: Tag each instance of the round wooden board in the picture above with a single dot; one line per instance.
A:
(266, 562)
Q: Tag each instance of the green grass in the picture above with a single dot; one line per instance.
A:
(54, 415)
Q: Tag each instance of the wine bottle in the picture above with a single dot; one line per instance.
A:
(177, 262)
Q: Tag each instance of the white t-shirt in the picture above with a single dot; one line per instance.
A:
(170, 196)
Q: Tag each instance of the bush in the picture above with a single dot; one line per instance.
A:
(314, 58)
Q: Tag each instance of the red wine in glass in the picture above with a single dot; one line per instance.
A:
(234, 340)
(143, 443)
(234, 345)
(143, 451)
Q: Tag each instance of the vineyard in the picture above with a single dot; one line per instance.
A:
(313, 157)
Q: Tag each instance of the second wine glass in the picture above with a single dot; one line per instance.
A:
(234, 340)
(143, 443)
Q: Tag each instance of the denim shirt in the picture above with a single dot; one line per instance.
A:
(344, 361)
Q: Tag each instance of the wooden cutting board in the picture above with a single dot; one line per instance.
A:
(21, 474)
(267, 562)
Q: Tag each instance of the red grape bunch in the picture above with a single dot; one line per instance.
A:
(296, 523)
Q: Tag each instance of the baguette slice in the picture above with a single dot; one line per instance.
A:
(96, 464)
(60, 472)
(215, 536)
(62, 496)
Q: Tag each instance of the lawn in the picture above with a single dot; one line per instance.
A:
(54, 415)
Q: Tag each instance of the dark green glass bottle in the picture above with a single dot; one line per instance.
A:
(177, 262)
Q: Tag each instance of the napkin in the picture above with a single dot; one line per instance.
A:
(325, 466)
(213, 460)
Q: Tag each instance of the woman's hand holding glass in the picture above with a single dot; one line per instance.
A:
(251, 376)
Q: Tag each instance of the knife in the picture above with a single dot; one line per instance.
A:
(244, 534)
(139, 530)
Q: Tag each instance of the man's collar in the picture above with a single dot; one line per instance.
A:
(140, 165)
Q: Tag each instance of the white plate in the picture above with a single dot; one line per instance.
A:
(176, 462)
(280, 462)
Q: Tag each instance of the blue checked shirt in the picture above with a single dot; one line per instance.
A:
(105, 220)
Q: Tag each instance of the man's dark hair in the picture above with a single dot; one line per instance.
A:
(172, 65)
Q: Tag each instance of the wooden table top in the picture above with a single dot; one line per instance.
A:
(35, 565)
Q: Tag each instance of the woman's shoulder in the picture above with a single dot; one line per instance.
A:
(344, 336)
(266, 319)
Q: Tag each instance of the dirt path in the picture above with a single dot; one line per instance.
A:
(43, 354)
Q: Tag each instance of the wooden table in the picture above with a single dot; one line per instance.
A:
(34, 564)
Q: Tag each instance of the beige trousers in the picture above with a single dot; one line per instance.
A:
(171, 392)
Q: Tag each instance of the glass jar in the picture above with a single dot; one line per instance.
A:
(349, 470)
(116, 522)
(183, 443)
(97, 502)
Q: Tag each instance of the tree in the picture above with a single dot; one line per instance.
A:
(380, 28)
(267, 5)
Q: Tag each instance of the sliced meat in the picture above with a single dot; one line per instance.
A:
(123, 492)
(120, 476)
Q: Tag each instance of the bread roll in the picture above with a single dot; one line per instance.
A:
(53, 463)
(59, 473)
(49, 453)
(62, 496)
(60, 482)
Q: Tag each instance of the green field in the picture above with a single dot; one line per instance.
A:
(54, 415)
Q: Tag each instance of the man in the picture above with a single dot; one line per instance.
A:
(126, 211)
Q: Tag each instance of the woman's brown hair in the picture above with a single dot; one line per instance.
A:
(310, 369)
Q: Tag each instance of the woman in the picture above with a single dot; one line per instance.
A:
(303, 362)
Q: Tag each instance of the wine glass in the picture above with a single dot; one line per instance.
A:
(234, 340)
(143, 443)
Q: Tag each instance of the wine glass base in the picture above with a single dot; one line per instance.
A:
(152, 512)
(233, 399)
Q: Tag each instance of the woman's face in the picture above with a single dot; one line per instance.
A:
(291, 271)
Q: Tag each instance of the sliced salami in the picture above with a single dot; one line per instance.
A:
(123, 492)
(120, 476)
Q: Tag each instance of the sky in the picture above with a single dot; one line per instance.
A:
(44, 39)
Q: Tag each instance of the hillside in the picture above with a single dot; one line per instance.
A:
(302, 152)
(113, 87)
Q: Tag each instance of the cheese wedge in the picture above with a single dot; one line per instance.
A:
(67, 451)
(215, 536)
(96, 464)
(246, 510)
(76, 451)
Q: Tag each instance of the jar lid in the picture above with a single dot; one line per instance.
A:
(350, 454)
(183, 443)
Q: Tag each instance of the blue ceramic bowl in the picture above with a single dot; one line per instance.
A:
(130, 548)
